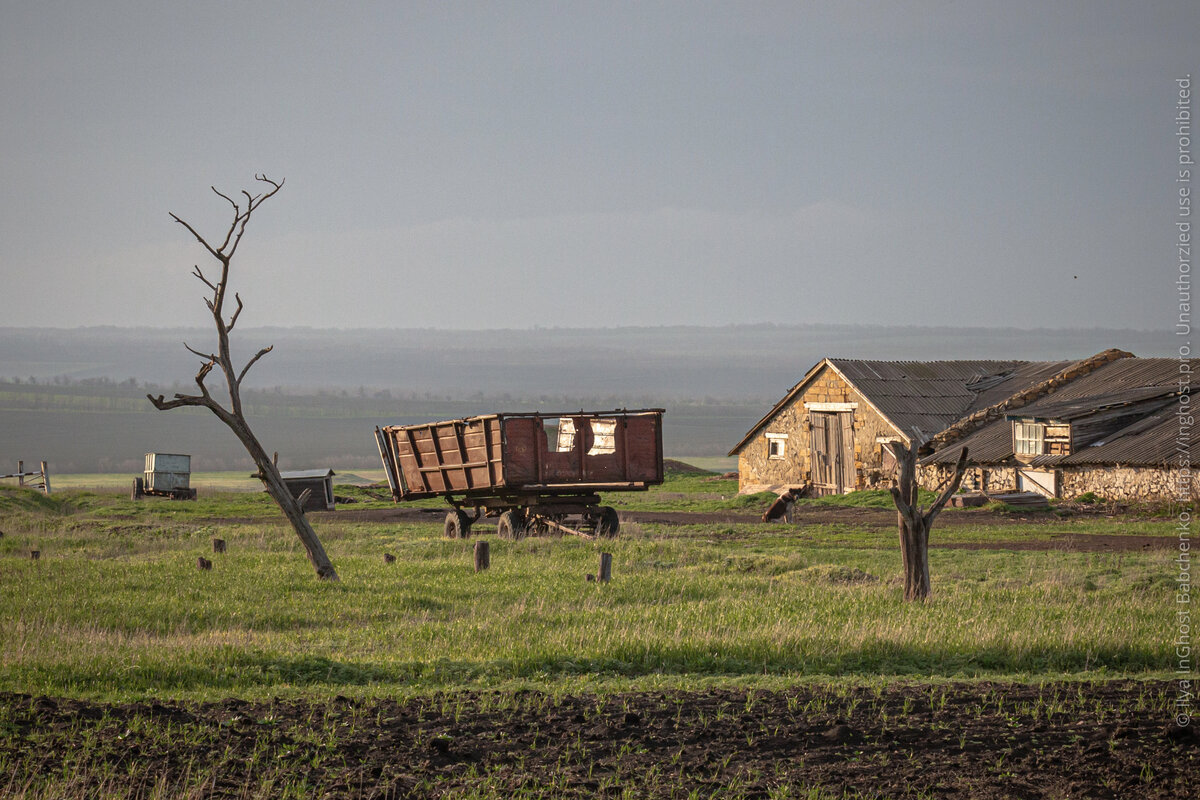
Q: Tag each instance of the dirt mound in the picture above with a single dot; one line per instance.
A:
(985, 740)
(674, 467)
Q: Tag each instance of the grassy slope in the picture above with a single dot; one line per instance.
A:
(116, 607)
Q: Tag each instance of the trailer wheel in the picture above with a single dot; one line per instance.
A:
(608, 523)
(458, 525)
(511, 525)
(138, 484)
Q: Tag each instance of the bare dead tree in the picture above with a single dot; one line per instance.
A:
(914, 522)
(222, 359)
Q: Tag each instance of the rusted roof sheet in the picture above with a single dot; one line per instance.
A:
(1151, 441)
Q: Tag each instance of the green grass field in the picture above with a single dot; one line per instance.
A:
(115, 607)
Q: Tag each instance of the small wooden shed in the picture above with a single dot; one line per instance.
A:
(319, 484)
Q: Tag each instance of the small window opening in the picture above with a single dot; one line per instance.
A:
(1029, 438)
(776, 446)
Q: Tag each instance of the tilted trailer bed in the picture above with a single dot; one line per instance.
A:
(535, 472)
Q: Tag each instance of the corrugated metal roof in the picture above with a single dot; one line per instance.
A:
(932, 395)
(1153, 440)
(926, 395)
(1028, 374)
(1068, 410)
(1156, 440)
(1116, 376)
(990, 444)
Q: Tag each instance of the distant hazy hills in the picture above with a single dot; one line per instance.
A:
(753, 361)
(76, 398)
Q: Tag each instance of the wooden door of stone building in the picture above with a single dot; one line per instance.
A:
(832, 451)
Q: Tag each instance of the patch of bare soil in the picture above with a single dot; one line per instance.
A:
(683, 468)
(1093, 740)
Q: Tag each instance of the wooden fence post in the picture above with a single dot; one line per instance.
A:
(21, 474)
(605, 568)
(482, 558)
(218, 545)
(45, 478)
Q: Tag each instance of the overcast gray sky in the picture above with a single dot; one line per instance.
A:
(511, 164)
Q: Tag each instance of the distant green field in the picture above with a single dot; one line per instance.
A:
(203, 482)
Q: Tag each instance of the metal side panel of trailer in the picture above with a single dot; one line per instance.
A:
(524, 454)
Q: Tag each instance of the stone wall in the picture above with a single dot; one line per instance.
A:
(984, 479)
(1108, 482)
(1127, 483)
(759, 473)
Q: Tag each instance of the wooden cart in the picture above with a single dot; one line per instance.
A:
(534, 472)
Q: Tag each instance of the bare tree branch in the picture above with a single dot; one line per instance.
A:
(180, 400)
(233, 319)
(203, 399)
(207, 356)
(219, 193)
(196, 271)
(252, 203)
(954, 481)
(199, 238)
(250, 363)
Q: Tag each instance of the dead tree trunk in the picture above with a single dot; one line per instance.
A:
(913, 521)
(222, 359)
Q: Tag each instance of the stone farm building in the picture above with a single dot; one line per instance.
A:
(831, 431)
(1117, 432)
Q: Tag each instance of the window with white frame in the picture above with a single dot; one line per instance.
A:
(1029, 438)
(777, 446)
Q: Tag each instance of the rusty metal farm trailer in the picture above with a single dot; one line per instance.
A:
(534, 472)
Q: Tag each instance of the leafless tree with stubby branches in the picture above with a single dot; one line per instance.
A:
(222, 360)
(914, 522)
